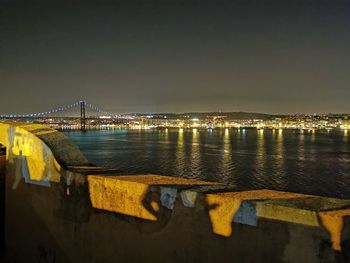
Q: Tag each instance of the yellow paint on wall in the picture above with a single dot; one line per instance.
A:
(121, 196)
(127, 194)
(224, 206)
(287, 214)
(152, 179)
(4, 139)
(222, 209)
(30, 150)
(333, 222)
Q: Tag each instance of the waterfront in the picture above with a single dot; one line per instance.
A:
(290, 160)
(72, 205)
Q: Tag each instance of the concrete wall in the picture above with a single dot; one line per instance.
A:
(41, 154)
(2, 198)
(150, 218)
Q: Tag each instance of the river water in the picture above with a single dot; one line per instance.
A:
(290, 160)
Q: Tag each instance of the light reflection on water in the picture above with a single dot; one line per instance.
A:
(292, 160)
(180, 154)
(227, 166)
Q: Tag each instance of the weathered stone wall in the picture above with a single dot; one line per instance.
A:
(158, 224)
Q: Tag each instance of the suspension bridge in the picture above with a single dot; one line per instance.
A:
(65, 111)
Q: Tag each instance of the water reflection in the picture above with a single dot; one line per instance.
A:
(286, 160)
(226, 167)
(313, 135)
(280, 132)
(260, 157)
(279, 162)
(196, 168)
(301, 153)
(180, 154)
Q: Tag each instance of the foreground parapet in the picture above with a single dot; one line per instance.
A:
(134, 195)
(39, 152)
(251, 206)
(144, 196)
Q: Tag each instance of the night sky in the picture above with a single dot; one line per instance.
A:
(176, 56)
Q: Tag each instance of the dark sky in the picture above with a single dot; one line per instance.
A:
(176, 56)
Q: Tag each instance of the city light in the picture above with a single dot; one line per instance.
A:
(98, 119)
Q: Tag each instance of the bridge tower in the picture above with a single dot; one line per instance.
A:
(82, 115)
